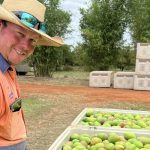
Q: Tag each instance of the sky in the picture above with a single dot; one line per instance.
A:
(73, 7)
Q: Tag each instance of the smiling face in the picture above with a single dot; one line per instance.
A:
(16, 43)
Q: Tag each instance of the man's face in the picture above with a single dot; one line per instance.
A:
(16, 43)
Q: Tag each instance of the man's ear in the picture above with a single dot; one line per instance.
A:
(1, 24)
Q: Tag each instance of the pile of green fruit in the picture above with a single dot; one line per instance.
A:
(104, 141)
(115, 119)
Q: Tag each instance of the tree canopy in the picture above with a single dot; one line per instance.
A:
(46, 59)
(102, 28)
(139, 16)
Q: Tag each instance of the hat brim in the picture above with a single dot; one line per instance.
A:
(44, 38)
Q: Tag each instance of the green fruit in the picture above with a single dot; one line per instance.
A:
(89, 112)
(136, 126)
(85, 138)
(147, 146)
(84, 123)
(91, 119)
(119, 147)
(129, 123)
(142, 124)
(75, 140)
(109, 146)
(116, 127)
(91, 123)
(144, 140)
(96, 123)
(67, 147)
(85, 119)
(80, 147)
(113, 137)
(102, 136)
(84, 143)
(117, 115)
(70, 143)
(137, 148)
(99, 145)
(120, 143)
(148, 127)
(95, 140)
(148, 122)
(130, 116)
(137, 117)
(106, 124)
(115, 122)
(138, 144)
(129, 135)
(106, 142)
(132, 141)
(74, 136)
(130, 146)
(76, 144)
(97, 115)
(93, 147)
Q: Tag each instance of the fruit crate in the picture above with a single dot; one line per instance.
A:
(114, 118)
(142, 82)
(124, 80)
(70, 131)
(142, 66)
(101, 79)
(143, 51)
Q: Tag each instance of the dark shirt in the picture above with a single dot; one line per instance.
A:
(4, 65)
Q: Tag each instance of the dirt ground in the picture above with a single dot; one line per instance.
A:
(67, 101)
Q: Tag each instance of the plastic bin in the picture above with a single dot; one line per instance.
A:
(143, 51)
(100, 78)
(124, 80)
(65, 136)
(82, 115)
(142, 82)
(142, 66)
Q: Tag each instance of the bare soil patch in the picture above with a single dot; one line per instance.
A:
(67, 101)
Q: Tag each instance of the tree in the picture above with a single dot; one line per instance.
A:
(102, 27)
(126, 58)
(65, 59)
(79, 55)
(139, 11)
(46, 59)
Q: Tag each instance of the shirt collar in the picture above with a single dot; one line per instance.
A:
(4, 65)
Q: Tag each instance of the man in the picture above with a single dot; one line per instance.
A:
(22, 28)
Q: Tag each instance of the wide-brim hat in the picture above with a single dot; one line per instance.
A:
(34, 8)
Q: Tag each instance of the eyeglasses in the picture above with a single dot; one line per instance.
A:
(31, 21)
(16, 105)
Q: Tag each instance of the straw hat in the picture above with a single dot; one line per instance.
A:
(34, 8)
